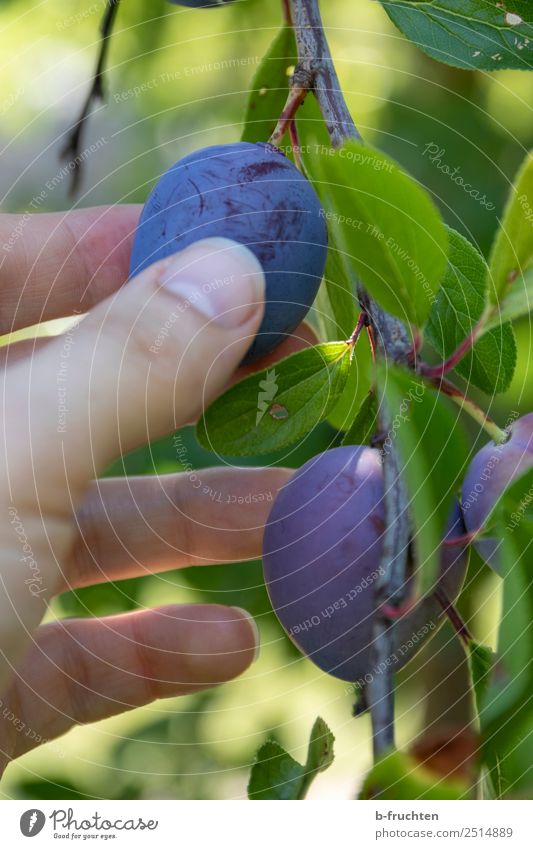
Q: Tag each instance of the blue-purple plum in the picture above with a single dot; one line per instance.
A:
(253, 194)
(491, 471)
(321, 557)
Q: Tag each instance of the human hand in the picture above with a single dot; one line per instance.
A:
(144, 361)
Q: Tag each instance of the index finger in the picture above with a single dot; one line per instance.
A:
(59, 264)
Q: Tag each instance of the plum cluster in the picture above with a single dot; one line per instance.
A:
(324, 537)
(253, 194)
(323, 545)
(321, 558)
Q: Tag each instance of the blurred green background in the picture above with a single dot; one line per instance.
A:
(178, 81)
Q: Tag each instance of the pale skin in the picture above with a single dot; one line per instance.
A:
(60, 527)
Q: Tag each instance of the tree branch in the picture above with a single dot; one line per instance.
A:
(393, 343)
(314, 57)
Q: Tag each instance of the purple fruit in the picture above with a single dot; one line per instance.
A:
(321, 555)
(253, 194)
(491, 471)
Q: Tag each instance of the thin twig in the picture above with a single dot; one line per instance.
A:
(462, 539)
(359, 327)
(453, 615)
(286, 7)
(295, 99)
(480, 416)
(72, 147)
(295, 145)
(436, 372)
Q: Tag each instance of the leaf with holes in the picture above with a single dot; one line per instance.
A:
(279, 405)
(468, 33)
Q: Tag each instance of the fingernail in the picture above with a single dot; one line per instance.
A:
(255, 629)
(218, 278)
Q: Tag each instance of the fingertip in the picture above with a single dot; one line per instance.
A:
(254, 629)
(219, 278)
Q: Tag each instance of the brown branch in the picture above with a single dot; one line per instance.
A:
(286, 8)
(393, 343)
(453, 615)
(72, 147)
(436, 372)
(295, 99)
(314, 58)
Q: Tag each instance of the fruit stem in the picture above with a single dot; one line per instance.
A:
(435, 372)
(295, 144)
(362, 322)
(72, 146)
(371, 342)
(463, 539)
(286, 7)
(494, 431)
(295, 98)
(453, 615)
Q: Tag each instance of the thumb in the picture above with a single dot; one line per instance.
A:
(141, 364)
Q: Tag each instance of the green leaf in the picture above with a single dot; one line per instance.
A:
(508, 704)
(320, 753)
(490, 364)
(341, 289)
(518, 301)
(468, 33)
(270, 87)
(398, 776)
(364, 424)
(357, 386)
(276, 775)
(312, 130)
(338, 296)
(512, 249)
(480, 662)
(277, 406)
(433, 453)
(385, 226)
